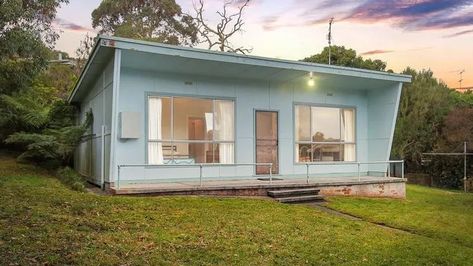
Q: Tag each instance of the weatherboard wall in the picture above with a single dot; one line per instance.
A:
(98, 100)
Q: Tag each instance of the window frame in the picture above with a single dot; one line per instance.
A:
(341, 143)
(172, 141)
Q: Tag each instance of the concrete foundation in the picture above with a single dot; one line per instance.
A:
(374, 187)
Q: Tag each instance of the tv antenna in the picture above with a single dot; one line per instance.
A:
(461, 77)
(329, 38)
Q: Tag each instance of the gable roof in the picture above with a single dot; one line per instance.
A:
(105, 45)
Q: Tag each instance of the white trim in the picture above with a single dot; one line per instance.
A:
(115, 98)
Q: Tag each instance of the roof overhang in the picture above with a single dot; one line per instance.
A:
(151, 55)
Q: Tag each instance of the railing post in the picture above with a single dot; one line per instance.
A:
(359, 175)
(402, 169)
(389, 169)
(270, 173)
(118, 177)
(307, 165)
(200, 175)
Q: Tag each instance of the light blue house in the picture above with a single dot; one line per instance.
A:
(167, 114)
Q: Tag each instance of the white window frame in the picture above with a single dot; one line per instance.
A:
(342, 143)
(172, 141)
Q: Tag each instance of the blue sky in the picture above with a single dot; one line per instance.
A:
(435, 34)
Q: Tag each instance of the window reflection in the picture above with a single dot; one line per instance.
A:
(324, 134)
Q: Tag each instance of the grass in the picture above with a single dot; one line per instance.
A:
(44, 222)
(436, 213)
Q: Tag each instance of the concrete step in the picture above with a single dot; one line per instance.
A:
(299, 199)
(293, 192)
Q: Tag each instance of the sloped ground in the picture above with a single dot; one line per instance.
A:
(41, 221)
(436, 213)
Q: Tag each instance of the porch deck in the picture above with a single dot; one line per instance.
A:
(363, 186)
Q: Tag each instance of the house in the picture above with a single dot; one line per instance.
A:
(165, 115)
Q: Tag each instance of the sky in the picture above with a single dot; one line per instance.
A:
(423, 34)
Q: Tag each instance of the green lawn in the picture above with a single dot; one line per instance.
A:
(41, 221)
(436, 213)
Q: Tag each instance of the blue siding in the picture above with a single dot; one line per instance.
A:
(375, 109)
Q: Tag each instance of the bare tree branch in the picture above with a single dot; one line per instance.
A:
(228, 25)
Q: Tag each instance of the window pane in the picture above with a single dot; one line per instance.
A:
(224, 120)
(348, 125)
(303, 152)
(193, 119)
(302, 114)
(159, 118)
(325, 124)
(189, 153)
(326, 152)
(349, 152)
(224, 153)
(159, 152)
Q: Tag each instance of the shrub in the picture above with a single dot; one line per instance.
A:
(71, 179)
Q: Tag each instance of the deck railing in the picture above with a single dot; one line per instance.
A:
(200, 165)
(269, 165)
(358, 166)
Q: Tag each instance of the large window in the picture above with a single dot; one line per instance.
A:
(190, 130)
(324, 134)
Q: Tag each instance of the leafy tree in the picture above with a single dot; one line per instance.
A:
(424, 104)
(55, 144)
(25, 27)
(83, 53)
(153, 20)
(341, 56)
(448, 171)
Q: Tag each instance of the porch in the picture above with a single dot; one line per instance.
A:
(390, 183)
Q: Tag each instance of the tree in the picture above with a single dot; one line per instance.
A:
(55, 144)
(83, 53)
(229, 24)
(424, 104)
(25, 28)
(448, 171)
(153, 20)
(341, 56)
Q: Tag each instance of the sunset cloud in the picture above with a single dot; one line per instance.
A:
(67, 25)
(459, 33)
(405, 14)
(373, 52)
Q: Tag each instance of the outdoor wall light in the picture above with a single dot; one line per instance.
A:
(311, 81)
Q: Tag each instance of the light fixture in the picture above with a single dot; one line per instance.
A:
(311, 81)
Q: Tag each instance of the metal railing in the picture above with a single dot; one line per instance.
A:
(200, 165)
(269, 165)
(358, 166)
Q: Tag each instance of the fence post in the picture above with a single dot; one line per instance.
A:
(359, 176)
(200, 175)
(270, 173)
(307, 165)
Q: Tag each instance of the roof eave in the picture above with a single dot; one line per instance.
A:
(85, 69)
(152, 47)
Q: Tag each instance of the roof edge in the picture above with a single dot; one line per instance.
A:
(86, 67)
(347, 70)
(401, 77)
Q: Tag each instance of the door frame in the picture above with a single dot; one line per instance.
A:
(255, 110)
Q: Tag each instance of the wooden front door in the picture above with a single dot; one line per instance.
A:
(266, 124)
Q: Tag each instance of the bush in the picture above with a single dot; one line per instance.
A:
(71, 179)
(447, 171)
